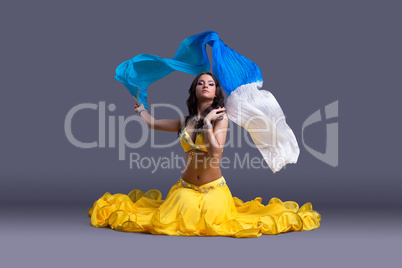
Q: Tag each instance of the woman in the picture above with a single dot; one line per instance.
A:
(200, 203)
(205, 106)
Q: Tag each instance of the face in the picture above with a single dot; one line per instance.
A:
(205, 87)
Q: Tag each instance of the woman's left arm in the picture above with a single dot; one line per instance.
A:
(215, 140)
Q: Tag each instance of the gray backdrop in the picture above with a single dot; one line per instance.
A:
(56, 55)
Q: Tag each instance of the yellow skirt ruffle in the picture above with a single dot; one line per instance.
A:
(206, 210)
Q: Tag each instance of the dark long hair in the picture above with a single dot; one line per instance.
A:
(192, 102)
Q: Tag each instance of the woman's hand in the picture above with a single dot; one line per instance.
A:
(214, 114)
(138, 106)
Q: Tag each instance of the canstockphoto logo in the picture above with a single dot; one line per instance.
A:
(332, 144)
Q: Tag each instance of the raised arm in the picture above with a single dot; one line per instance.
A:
(172, 125)
(215, 140)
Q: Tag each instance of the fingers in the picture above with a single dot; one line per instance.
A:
(220, 111)
(221, 114)
(138, 106)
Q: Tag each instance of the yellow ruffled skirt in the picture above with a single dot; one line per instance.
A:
(206, 210)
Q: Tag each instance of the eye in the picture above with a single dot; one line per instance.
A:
(211, 84)
(200, 83)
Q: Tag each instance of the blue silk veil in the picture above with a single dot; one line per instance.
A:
(248, 105)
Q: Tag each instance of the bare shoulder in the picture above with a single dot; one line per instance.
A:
(221, 123)
(182, 120)
(220, 129)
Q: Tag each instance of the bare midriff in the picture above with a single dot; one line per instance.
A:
(201, 168)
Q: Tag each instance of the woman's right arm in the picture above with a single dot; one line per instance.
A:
(172, 125)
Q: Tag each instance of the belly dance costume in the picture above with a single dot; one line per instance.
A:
(200, 210)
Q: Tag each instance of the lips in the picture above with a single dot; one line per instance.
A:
(205, 90)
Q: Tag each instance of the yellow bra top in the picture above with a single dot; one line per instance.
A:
(188, 144)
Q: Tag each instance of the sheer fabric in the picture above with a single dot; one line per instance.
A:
(247, 105)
